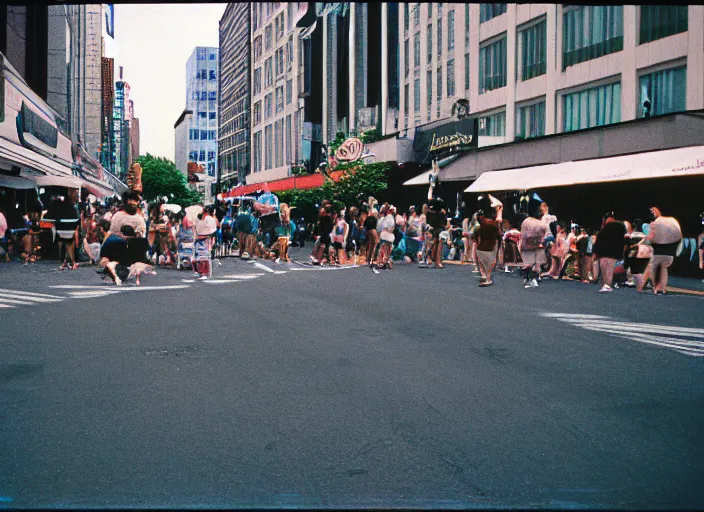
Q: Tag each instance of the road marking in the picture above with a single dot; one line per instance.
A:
(680, 339)
(262, 267)
(96, 293)
(221, 281)
(22, 295)
(122, 289)
(4, 290)
(241, 276)
(6, 306)
(11, 301)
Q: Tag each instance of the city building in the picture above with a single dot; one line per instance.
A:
(92, 140)
(134, 137)
(234, 95)
(277, 89)
(181, 129)
(108, 157)
(202, 99)
(123, 113)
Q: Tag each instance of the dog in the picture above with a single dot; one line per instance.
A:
(137, 269)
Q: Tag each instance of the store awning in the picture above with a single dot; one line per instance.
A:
(654, 164)
(297, 183)
(57, 181)
(23, 157)
(421, 179)
(16, 182)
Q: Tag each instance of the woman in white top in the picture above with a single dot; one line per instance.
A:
(385, 227)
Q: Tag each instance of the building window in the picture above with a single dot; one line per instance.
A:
(211, 75)
(289, 14)
(289, 92)
(493, 125)
(201, 156)
(430, 43)
(591, 31)
(416, 49)
(255, 19)
(416, 15)
(211, 115)
(193, 156)
(416, 95)
(212, 96)
(429, 87)
(268, 148)
(267, 106)
(440, 10)
(257, 48)
(258, 151)
(211, 156)
(212, 135)
(289, 48)
(406, 51)
(257, 81)
(466, 25)
(658, 21)
(406, 101)
(280, 61)
(268, 73)
(200, 54)
(466, 71)
(279, 99)
(530, 121)
(492, 66)
(450, 78)
(489, 11)
(430, 11)
(532, 53)
(203, 136)
(597, 106)
(257, 116)
(202, 115)
(439, 37)
(276, 29)
(267, 38)
(451, 30)
(405, 19)
(663, 92)
(280, 32)
(439, 84)
(288, 140)
(193, 134)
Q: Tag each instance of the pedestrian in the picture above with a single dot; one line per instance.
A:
(93, 239)
(340, 234)
(370, 224)
(558, 252)
(243, 224)
(385, 227)
(638, 254)
(487, 238)
(129, 214)
(665, 237)
(609, 248)
(352, 248)
(64, 213)
(533, 233)
(205, 229)
(414, 233)
(437, 222)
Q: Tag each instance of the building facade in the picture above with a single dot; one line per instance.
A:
(277, 86)
(202, 99)
(538, 69)
(234, 92)
(121, 117)
(93, 79)
(181, 131)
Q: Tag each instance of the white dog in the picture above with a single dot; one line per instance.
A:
(137, 269)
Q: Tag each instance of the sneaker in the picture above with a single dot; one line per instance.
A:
(534, 283)
(118, 282)
(526, 283)
(506, 270)
(606, 289)
(203, 278)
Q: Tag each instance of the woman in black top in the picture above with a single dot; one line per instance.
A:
(609, 248)
(372, 236)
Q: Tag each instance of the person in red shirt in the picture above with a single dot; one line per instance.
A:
(487, 237)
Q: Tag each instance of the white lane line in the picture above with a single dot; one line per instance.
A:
(567, 316)
(241, 276)
(262, 267)
(4, 290)
(650, 341)
(221, 281)
(23, 296)
(11, 301)
(96, 293)
(6, 306)
(188, 280)
(122, 289)
(691, 332)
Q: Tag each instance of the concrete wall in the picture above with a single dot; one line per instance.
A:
(181, 144)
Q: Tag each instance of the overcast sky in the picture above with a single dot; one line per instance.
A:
(152, 43)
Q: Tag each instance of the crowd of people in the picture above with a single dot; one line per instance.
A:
(129, 234)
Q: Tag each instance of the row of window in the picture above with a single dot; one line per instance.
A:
(207, 115)
(195, 156)
(204, 95)
(282, 60)
(275, 152)
(203, 54)
(279, 103)
(194, 134)
(206, 74)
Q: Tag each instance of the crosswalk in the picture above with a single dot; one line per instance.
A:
(13, 298)
(684, 340)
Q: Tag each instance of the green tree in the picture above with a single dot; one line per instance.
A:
(160, 178)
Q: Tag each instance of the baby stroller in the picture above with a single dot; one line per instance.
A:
(185, 254)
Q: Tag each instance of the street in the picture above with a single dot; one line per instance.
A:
(289, 385)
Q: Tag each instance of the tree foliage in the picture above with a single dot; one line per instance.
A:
(160, 178)
(354, 186)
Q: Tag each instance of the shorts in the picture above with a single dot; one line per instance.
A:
(665, 261)
(536, 256)
(65, 234)
(486, 258)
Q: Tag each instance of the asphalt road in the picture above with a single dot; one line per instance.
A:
(275, 387)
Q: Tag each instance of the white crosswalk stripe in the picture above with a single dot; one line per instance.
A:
(685, 340)
(13, 298)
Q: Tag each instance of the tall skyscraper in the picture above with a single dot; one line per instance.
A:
(234, 94)
(107, 155)
(202, 99)
(93, 79)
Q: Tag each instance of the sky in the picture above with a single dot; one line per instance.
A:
(152, 43)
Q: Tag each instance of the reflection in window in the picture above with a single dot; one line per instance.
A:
(530, 121)
(663, 92)
(597, 106)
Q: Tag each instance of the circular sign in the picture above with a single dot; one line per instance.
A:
(350, 150)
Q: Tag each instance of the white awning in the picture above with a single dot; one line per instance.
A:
(57, 181)
(421, 179)
(16, 182)
(653, 164)
(23, 157)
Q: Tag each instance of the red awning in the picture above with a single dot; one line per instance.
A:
(298, 182)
